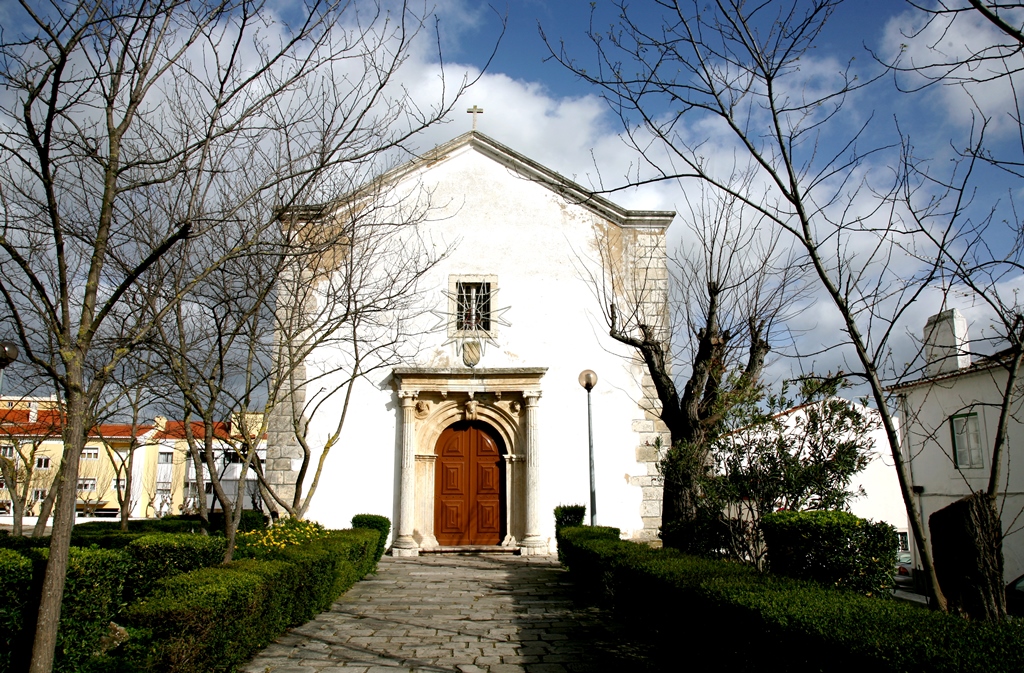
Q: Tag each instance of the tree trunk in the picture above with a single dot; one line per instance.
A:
(45, 642)
(967, 549)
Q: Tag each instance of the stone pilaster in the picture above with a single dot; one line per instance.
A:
(532, 543)
(405, 544)
(424, 532)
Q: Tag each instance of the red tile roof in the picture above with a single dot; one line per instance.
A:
(176, 430)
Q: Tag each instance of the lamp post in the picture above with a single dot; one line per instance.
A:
(8, 354)
(588, 379)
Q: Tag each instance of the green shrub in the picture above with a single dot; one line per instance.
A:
(208, 620)
(580, 534)
(92, 598)
(161, 555)
(360, 547)
(252, 519)
(833, 548)
(329, 564)
(15, 582)
(20, 543)
(569, 515)
(379, 523)
(117, 540)
(213, 619)
(765, 622)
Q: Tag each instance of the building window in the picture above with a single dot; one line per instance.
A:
(163, 489)
(43, 463)
(165, 458)
(7, 451)
(38, 494)
(473, 306)
(966, 441)
(90, 454)
(87, 484)
(117, 484)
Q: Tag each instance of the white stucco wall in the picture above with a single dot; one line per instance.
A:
(928, 448)
(882, 500)
(534, 241)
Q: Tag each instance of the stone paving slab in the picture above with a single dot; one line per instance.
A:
(457, 614)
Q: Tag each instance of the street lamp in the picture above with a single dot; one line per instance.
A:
(8, 354)
(588, 379)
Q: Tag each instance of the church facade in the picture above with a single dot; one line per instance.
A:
(480, 430)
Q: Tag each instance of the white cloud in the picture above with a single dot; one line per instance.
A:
(935, 46)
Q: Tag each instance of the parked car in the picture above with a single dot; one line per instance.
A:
(904, 575)
(1015, 597)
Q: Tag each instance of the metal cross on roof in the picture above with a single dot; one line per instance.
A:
(475, 111)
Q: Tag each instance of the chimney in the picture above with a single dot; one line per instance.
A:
(946, 347)
(161, 423)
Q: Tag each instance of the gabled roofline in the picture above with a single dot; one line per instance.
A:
(520, 165)
(987, 363)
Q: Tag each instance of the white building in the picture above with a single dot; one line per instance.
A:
(882, 499)
(950, 420)
(482, 430)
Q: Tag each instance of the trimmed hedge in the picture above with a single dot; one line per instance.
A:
(157, 556)
(15, 577)
(20, 543)
(778, 623)
(194, 621)
(165, 525)
(376, 522)
(92, 598)
(328, 566)
(213, 619)
(251, 520)
(99, 583)
(833, 548)
(569, 516)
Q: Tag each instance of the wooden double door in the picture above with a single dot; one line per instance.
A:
(469, 478)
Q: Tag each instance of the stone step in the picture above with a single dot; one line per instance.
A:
(473, 549)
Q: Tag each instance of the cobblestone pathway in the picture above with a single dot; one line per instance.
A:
(457, 613)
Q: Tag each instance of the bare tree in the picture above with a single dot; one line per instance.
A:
(748, 71)
(971, 50)
(355, 292)
(130, 129)
(733, 287)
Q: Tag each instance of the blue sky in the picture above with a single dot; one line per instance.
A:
(534, 105)
(537, 107)
(522, 53)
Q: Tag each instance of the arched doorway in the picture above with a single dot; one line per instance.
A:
(470, 499)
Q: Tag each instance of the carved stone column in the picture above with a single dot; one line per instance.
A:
(510, 498)
(424, 532)
(532, 543)
(405, 544)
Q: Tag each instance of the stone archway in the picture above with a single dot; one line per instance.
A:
(433, 400)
